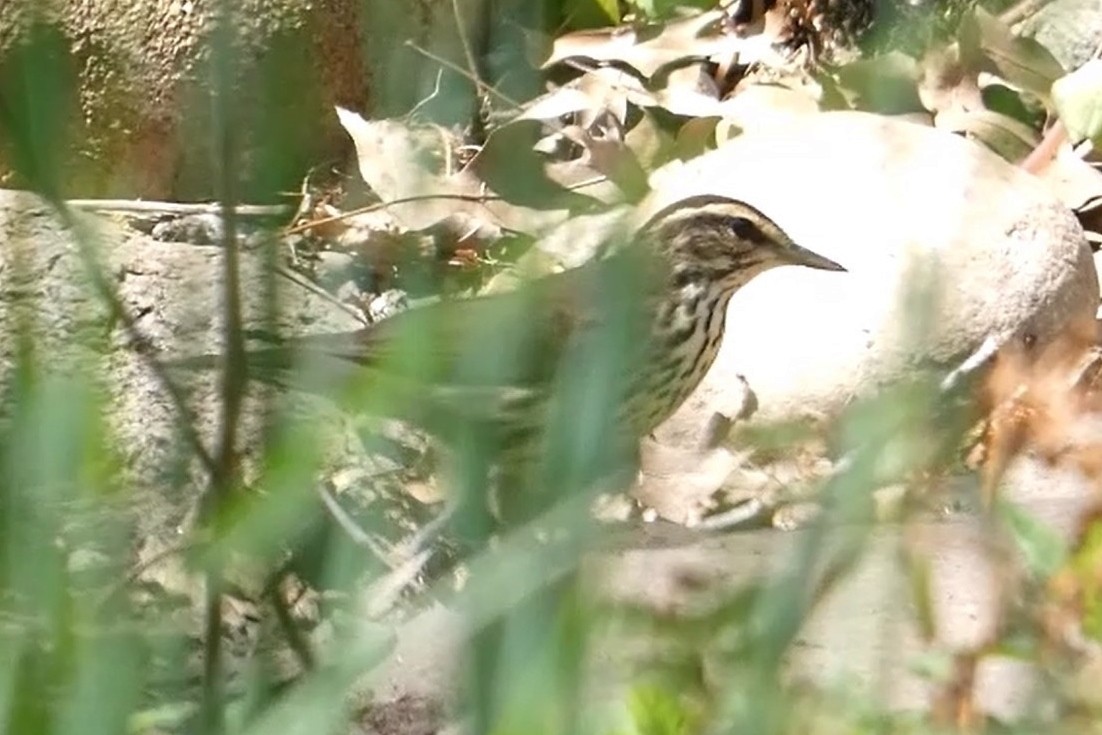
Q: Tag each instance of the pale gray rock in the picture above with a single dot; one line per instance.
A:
(1070, 29)
(945, 243)
(173, 292)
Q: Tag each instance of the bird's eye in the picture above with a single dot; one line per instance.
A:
(744, 229)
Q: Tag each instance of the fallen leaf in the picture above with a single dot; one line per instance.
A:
(393, 164)
(988, 44)
(555, 104)
(1006, 136)
(696, 136)
(650, 141)
(391, 159)
(945, 84)
(649, 47)
(509, 164)
(760, 106)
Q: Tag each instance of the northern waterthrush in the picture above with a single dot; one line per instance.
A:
(491, 362)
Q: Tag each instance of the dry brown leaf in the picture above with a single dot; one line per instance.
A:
(1011, 139)
(1049, 403)
(609, 155)
(393, 160)
(613, 90)
(988, 44)
(760, 106)
(690, 92)
(945, 84)
(651, 143)
(509, 165)
(650, 48)
(565, 100)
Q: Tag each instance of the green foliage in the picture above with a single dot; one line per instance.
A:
(37, 100)
(1078, 99)
(1043, 550)
(87, 646)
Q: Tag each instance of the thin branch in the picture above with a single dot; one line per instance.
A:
(460, 70)
(472, 65)
(1041, 156)
(386, 591)
(234, 374)
(153, 207)
(295, 639)
(359, 536)
(1021, 11)
(477, 198)
(306, 283)
(140, 568)
(431, 96)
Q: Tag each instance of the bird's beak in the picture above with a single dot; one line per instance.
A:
(797, 255)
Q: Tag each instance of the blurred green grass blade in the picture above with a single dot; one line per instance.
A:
(107, 684)
(37, 106)
(167, 716)
(657, 711)
(1042, 548)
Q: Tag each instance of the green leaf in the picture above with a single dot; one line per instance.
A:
(988, 44)
(657, 711)
(886, 84)
(1025, 108)
(611, 8)
(168, 715)
(1042, 548)
(1078, 100)
(659, 9)
(580, 14)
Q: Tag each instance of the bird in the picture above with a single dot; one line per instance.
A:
(493, 361)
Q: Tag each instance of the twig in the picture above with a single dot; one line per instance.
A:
(153, 207)
(405, 560)
(1041, 156)
(317, 290)
(418, 540)
(386, 590)
(468, 53)
(981, 357)
(295, 639)
(359, 536)
(460, 70)
(234, 374)
(740, 515)
(140, 568)
(1021, 11)
(477, 198)
(431, 96)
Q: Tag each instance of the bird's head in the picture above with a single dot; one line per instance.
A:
(725, 241)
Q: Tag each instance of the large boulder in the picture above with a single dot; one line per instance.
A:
(946, 244)
(136, 80)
